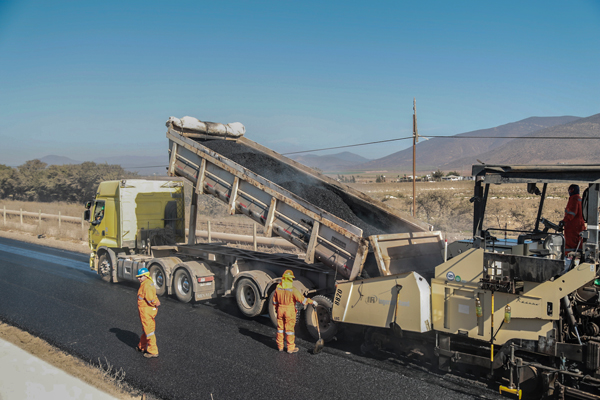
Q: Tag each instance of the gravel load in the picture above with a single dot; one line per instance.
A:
(302, 185)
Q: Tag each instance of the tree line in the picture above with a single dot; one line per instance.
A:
(75, 183)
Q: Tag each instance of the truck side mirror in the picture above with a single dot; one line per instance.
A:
(86, 215)
(88, 205)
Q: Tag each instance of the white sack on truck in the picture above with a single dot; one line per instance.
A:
(234, 129)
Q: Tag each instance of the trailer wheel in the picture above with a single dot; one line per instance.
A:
(322, 316)
(183, 286)
(273, 315)
(160, 280)
(105, 268)
(248, 298)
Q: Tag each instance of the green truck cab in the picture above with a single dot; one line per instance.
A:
(127, 214)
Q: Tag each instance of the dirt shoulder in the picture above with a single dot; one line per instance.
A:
(64, 244)
(104, 378)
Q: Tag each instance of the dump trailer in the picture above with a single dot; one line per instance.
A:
(343, 233)
(332, 223)
(518, 310)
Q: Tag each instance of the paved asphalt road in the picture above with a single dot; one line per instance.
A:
(207, 351)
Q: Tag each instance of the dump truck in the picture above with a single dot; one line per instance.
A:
(343, 233)
(517, 309)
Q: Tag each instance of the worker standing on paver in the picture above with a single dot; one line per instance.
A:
(573, 222)
(147, 304)
(284, 300)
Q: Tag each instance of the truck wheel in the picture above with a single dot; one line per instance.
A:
(160, 280)
(183, 286)
(248, 298)
(273, 315)
(322, 316)
(105, 268)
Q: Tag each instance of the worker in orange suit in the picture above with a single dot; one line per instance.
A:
(147, 307)
(284, 300)
(573, 223)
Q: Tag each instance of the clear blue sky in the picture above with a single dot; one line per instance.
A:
(85, 79)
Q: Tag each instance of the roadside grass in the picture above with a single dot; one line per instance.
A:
(447, 206)
(444, 205)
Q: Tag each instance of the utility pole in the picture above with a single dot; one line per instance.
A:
(415, 140)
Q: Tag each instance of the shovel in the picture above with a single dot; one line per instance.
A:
(320, 343)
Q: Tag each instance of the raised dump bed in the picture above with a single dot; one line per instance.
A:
(332, 222)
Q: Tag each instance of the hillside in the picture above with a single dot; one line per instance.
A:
(58, 160)
(545, 151)
(438, 152)
(331, 163)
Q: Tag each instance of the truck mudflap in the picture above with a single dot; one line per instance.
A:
(202, 281)
(397, 253)
(402, 299)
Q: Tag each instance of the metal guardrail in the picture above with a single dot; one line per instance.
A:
(209, 234)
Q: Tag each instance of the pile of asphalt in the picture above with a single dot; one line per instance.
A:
(302, 185)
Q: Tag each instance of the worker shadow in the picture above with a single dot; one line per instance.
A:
(131, 339)
(268, 341)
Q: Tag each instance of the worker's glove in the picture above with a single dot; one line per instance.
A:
(315, 304)
(561, 225)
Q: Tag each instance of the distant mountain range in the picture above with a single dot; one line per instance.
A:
(456, 153)
(445, 153)
(331, 163)
(547, 150)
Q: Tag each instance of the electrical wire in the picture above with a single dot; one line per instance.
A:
(350, 145)
(428, 137)
(454, 137)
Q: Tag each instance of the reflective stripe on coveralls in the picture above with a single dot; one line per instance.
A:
(147, 310)
(284, 301)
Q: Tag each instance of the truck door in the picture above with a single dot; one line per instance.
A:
(97, 223)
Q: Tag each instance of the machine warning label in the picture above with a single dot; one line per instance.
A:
(450, 276)
(338, 242)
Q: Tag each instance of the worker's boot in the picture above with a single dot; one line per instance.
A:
(150, 355)
(293, 351)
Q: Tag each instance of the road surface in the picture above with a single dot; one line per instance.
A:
(207, 351)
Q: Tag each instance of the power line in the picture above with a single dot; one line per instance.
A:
(455, 137)
(426, 137)
(515, 137)
(350, 145)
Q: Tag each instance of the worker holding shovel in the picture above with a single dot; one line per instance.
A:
(284, 300)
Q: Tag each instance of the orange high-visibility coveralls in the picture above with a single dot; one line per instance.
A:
(285, 298)
(574, 223)
(147, 302)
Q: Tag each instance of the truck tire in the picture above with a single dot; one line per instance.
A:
(105, 268)
(322, 316)
(183, 286)
(273, 316)
(248, 298)
(160, 280)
